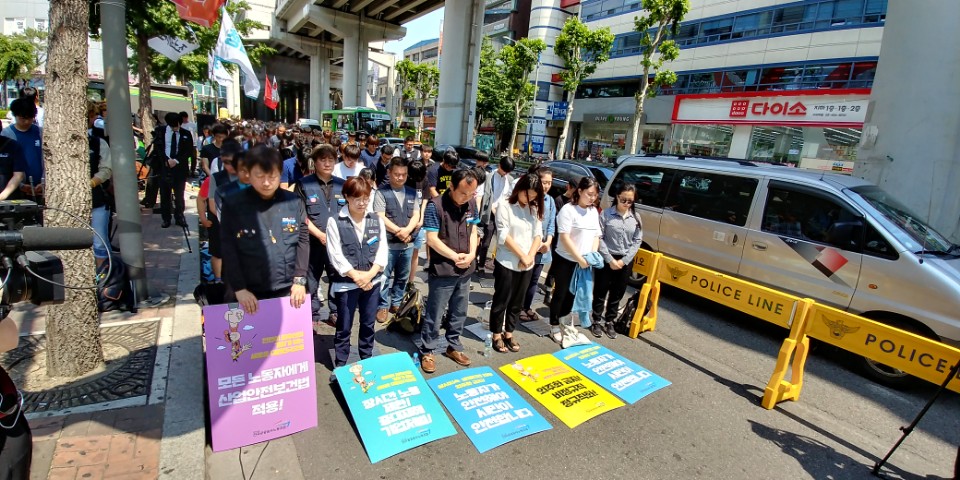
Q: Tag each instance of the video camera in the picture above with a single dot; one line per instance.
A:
(28, 270)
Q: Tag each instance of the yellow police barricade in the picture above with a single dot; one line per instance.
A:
(921, 357)
(646, 263)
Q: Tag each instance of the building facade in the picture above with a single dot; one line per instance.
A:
(757, 79)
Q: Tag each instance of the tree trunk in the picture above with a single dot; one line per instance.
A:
(423, 104)
(513, 133)
(562, 141)
(641, 96)
(73, 328)
(143, 77)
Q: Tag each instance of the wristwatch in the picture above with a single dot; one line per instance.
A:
(302, 281)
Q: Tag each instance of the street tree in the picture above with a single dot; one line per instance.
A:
(37, 38)
(518, 60)
(17, 60)
(492, 103)
(656, 29)
(73, 327)
(581, 50)
(404, 86)
(422, 82)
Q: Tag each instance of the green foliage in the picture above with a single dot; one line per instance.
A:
(419, 81)
(581, 50)
(492, 102)
(404, 68)
(37, 38)
(17, 58)
(661, 23)
(517, 61)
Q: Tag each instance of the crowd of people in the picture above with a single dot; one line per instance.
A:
(343, 218)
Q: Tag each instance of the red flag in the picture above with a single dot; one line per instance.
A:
(270, 95)
(201, 12)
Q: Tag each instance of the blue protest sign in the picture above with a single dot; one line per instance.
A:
(391, 405)
(610, 370)
(487, 409)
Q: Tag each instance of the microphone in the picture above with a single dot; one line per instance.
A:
(46, 238)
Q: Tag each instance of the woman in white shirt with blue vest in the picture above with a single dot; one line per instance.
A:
(356, 244)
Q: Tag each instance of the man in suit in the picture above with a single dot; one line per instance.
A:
(173, 147)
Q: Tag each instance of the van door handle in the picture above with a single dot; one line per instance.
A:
(759, 246)
(735, 238)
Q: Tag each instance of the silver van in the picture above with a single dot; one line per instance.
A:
(835, 238)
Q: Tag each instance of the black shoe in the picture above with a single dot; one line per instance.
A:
(165, 224)
(596, 330)
(181, 222)
(609, 330)
(548, 297)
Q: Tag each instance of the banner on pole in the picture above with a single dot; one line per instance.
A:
(568, 394)
(610, 370)
(392, 406)
(171, 47)
(260, 372)
(487, 409)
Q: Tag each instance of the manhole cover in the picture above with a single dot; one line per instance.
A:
(129, 353)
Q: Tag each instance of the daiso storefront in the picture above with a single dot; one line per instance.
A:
(816, 129)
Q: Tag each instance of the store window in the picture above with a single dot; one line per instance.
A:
(702, 140)
(806, 147)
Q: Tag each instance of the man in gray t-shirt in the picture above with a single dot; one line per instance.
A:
(399, 206)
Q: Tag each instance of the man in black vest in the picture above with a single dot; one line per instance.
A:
(399, 206)
(321, 194)
(450, 221)
(172, 149)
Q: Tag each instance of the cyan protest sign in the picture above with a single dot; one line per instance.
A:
(610, 370)
(391, 404)
(487, 409)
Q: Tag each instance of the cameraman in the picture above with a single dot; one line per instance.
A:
(16, 441)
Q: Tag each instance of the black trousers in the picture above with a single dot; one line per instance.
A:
(171, 196)
(508, 294)
(16, 450)
(489, 231)
(319, 263)
(562, 301)
(609, 285)
(150, 193)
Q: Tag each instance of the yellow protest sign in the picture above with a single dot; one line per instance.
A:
(752, 299)
(566, 393)
(919, 356)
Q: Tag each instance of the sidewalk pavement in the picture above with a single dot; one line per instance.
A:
(154, 435)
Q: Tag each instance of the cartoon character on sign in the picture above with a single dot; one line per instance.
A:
(357, 370)
(525, 372)
(232, 334)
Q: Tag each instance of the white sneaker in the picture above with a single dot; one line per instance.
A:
(556, 336)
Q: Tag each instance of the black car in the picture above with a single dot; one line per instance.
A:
(565, 172)
(468, 155)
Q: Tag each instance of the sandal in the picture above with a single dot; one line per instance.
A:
(498, 345)
(511, 344)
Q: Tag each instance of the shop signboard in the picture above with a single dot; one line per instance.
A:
(537, 143)
(837, 108)
(538, 127)
(557, 110)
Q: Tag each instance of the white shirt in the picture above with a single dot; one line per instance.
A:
(522, 224)
(168, 141)
(583, 225)
(341, 170)
(340, 262)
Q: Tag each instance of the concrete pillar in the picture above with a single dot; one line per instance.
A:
(910, 141)
(351, 68)
(319, 81)
(363, 68)
(459, 65)
(740, 143)
(391, 84)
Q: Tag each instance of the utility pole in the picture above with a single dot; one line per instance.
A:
(129, 231)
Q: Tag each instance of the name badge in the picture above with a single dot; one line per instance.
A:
(473, 221)
(373, 240)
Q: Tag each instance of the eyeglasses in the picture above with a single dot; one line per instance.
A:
(624, 201)
(359, 200)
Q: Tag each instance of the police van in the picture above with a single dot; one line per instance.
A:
(834, 238)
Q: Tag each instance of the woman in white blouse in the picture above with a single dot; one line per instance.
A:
(519, 234)
(357, 247)
(578, 225)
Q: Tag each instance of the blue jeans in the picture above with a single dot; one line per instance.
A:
(398, 267)
(447, 294)
(101, 225)
(347, 303)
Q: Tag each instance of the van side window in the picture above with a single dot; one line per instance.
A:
(874, 244)
(653, 183)
(723, 198)
(805, 216)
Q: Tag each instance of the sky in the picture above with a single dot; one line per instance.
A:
(423, 28)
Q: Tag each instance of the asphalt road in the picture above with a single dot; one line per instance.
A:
(708, 424)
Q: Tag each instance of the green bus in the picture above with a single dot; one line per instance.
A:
(351, 119)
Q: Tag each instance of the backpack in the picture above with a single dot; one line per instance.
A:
(622, 324)
(114, 292)
(408, 316)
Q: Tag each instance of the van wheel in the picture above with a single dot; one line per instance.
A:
(886, 375)
(636, 280)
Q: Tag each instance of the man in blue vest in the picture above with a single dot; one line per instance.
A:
(450, 221)
(399, 206)
(322, 198)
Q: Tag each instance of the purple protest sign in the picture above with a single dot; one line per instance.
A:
(260, 372)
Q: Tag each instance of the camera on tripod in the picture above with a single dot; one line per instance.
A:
(29, 271)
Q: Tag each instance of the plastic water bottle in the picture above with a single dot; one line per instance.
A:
(488, 345)
(416, 359)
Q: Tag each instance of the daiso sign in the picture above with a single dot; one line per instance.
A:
(809, 107)
(739, 108)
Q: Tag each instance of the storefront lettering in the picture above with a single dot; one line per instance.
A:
(778, 108)
(613, 118)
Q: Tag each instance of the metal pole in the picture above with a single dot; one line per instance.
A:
(129, 231)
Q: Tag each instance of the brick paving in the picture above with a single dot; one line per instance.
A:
(119, 443)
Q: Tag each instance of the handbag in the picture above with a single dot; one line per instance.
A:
(571, 337)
